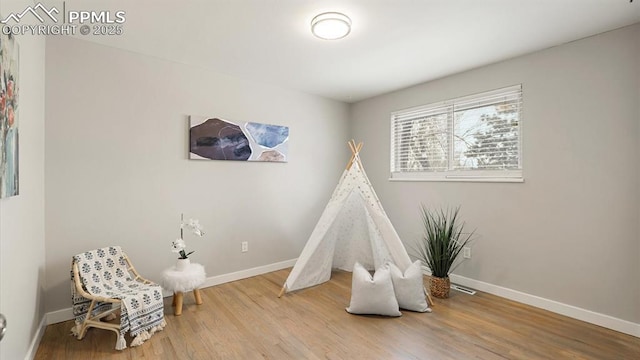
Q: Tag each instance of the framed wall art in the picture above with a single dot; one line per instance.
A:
(212, 138)
(9, 90)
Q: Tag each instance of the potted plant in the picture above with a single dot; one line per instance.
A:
(443, 240)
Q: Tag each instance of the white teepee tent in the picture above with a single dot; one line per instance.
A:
(353, 227)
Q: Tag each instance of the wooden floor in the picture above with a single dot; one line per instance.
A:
(246, 320)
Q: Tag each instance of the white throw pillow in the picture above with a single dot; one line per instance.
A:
(372, 296)
(409, 288)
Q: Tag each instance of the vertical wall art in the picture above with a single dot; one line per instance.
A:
(212, 138)
(9, 61)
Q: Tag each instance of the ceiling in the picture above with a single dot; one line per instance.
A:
(393, 43)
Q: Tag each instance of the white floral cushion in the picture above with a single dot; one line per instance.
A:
(409, 288)
(372, 295)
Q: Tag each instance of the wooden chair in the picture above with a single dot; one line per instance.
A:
(104, 307)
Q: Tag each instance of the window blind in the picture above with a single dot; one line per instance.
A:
(479, 132)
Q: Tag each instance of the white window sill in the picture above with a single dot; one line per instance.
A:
(441, 177)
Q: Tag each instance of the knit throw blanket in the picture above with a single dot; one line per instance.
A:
(104, 273)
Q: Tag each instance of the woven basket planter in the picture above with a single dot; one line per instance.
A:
(439, 287)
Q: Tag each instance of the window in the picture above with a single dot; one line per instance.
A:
(473, 138)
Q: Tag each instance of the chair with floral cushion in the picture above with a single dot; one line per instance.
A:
(105, 277)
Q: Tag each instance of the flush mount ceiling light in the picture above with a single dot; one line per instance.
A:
(331, 26)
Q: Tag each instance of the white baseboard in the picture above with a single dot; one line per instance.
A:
(67, 314)
(571, 311)
(243, 274)
(57, 316)
(35, 342)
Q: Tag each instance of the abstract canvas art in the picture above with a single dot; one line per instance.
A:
(9, 61)
(212, 138)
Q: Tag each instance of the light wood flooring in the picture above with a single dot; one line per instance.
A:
(246, 320)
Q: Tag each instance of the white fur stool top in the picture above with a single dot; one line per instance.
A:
(182, 281)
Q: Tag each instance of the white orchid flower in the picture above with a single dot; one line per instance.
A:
(178, 245)
(194, 226)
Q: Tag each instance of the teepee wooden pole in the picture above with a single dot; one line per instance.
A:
(284, 287)
(355, 150)
(352, 146)
(358, 148)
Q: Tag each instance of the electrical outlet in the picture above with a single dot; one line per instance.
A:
(245, 246)
(466, 252)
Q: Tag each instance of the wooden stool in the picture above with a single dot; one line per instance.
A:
(180, 282)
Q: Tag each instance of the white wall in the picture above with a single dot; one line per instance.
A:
(22, 243)
(570, 232)
(117, 168)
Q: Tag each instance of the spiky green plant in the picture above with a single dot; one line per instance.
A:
(443, 240)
